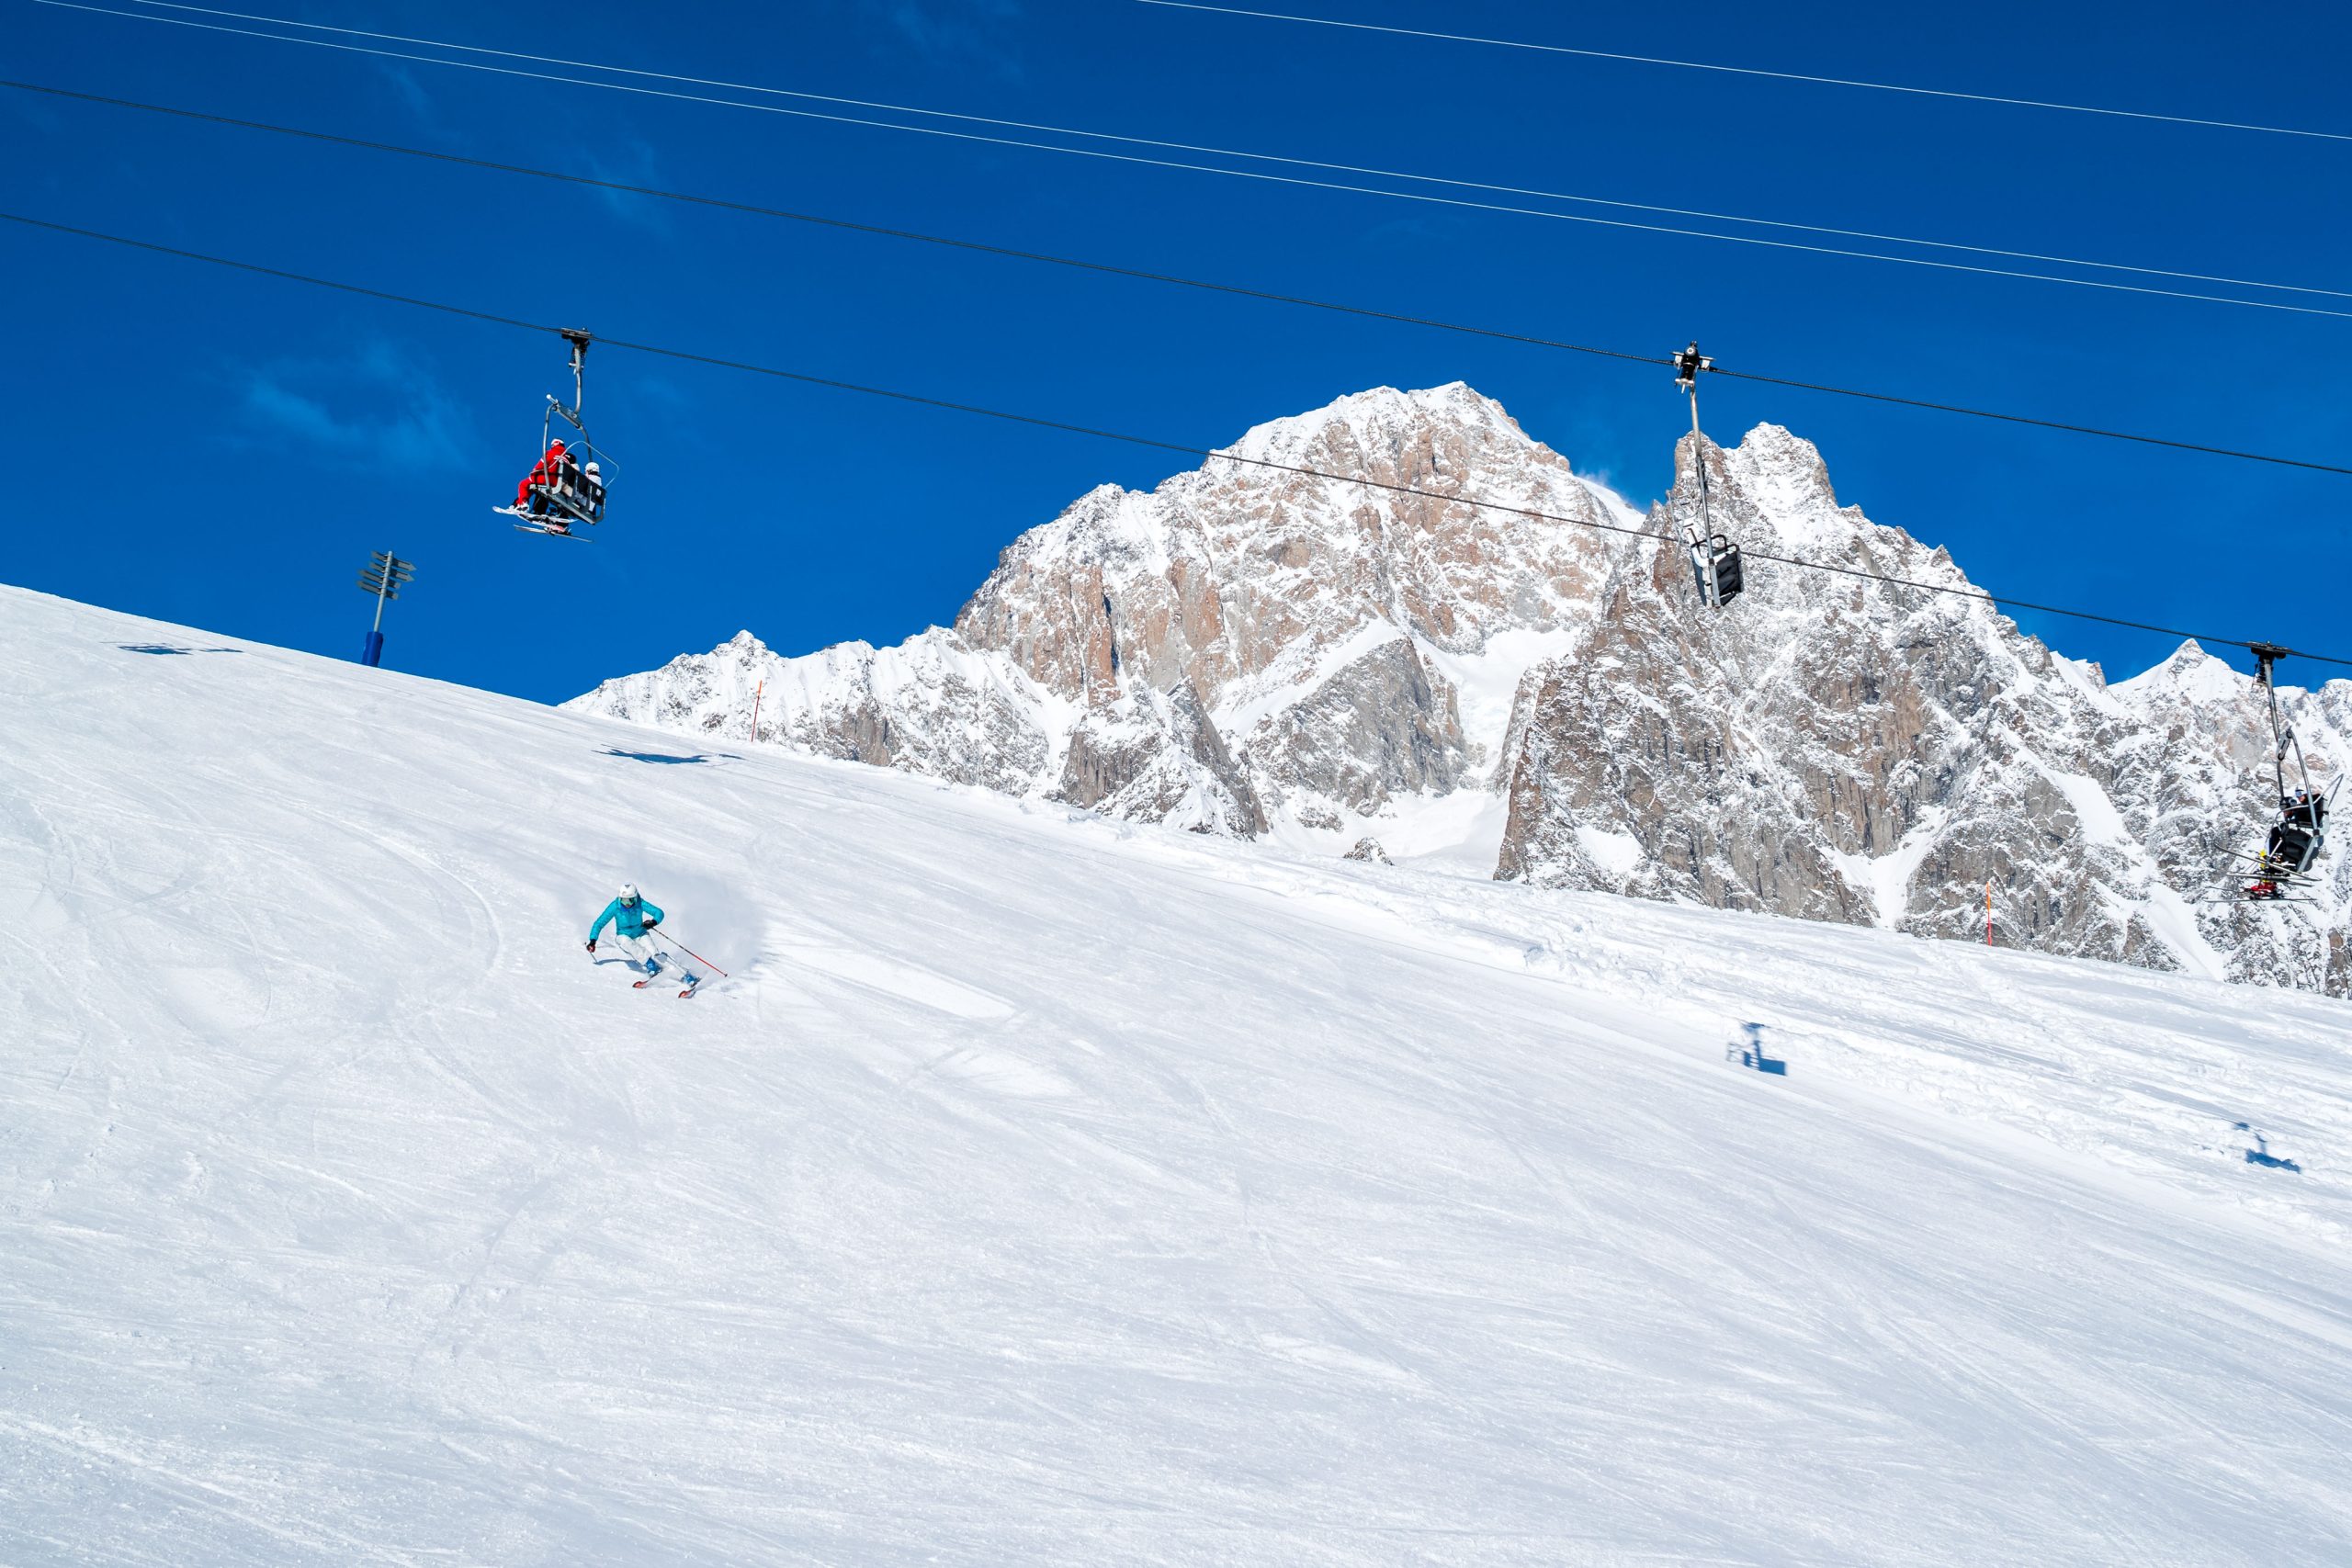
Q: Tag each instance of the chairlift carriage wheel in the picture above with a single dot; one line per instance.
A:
(557, 498)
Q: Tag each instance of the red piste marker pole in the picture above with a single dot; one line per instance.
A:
(1989, 911)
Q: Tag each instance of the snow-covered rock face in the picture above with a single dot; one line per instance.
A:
(1240, 648)
(1845, 750)
(1247, 650)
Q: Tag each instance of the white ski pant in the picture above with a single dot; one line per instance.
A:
(647, 953)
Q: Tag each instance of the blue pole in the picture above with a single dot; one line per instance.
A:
(375, 654)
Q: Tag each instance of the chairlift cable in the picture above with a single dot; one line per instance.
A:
(1758, 70)
(1424, 198)
(2026, 418)
(1145, 275)
(1185, 448)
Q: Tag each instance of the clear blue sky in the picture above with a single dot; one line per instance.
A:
(226, 450)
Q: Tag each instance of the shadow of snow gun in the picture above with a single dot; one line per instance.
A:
(663, 757)
(2261, 1153)
(1749, 1052)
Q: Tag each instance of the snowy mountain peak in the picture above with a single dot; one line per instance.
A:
(2190, 674)
(1379, 424)
(1772, 455)
(1776, 484)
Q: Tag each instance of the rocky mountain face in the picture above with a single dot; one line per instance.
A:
(1836, 747)
(1249, 650)
(1241, 648)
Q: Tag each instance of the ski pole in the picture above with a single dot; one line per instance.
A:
(698, 958)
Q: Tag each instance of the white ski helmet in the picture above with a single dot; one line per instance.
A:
(629, 891)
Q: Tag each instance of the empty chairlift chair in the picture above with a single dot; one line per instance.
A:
(1714, 559)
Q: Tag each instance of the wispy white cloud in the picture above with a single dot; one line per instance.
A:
(409, 92)
(380, 402)
(631, 160)
(961, 32)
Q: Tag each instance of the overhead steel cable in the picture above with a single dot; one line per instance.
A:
(1188, 449)
(1193, 147)
(1145, 275)
(1259, 175)
(1755, 71)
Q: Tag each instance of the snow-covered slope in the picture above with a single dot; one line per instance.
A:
(1048, 1188)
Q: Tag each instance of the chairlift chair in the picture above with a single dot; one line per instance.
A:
(1714, 567)
(2300, 833)
(570, 495)
(1714, 559)
(2299, 836)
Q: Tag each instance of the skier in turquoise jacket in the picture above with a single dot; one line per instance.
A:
(632, 917)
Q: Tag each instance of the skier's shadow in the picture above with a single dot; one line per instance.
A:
(166, 649)
(2261, 1153)
(1750, 1052)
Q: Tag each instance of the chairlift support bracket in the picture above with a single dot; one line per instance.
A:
(579, 339)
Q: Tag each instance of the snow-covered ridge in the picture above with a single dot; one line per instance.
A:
(1247, 650)
(1045, 1188)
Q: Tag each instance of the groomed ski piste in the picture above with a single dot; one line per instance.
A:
(1040, 1190)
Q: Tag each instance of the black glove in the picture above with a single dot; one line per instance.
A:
(650, 924)
(592, 944)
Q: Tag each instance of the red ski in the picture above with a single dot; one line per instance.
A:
(690, 990)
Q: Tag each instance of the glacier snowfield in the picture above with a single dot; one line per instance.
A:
(1045, 1190)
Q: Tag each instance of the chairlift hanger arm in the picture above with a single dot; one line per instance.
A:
(1687, 367)
(579, 339)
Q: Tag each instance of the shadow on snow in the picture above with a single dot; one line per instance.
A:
(1752, 1052)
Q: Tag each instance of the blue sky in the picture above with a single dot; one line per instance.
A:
(226, 450)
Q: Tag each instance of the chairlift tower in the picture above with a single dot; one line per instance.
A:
(382, 576)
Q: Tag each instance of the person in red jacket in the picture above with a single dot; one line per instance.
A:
(543, 472)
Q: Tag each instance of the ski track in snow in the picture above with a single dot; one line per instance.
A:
(1043, 1189)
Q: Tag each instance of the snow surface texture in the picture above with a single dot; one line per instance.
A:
(1048, 1188)
(1250, 651)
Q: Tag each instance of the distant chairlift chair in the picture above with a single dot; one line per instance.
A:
(1714, 559)
(2299, 836)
